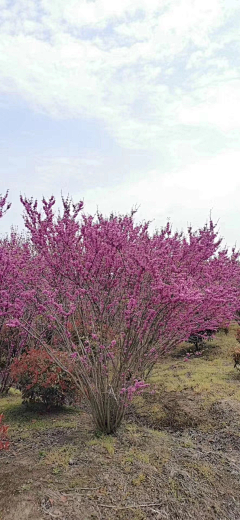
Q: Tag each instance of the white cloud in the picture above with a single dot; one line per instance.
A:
(136, 66)
(219, 106)
(185, 196)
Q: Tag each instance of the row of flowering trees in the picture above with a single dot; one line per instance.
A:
(110, 295)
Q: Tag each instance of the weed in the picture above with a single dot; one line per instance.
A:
(106, 442)
(59, 457)
(139, 480)
(187, 443)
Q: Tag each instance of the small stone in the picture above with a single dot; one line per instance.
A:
(58, 513)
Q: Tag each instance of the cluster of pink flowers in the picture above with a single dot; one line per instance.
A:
(137, 388)
(190, 354)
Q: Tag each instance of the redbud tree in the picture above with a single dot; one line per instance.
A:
(15, 257)
(116, 298)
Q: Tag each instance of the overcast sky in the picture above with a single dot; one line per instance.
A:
(123, 103)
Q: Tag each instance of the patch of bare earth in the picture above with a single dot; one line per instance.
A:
(140, 473)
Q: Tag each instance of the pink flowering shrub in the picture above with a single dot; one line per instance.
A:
(114, 298)
(4, 204)
(15, 265)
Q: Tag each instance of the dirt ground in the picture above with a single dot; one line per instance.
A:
(176, 457)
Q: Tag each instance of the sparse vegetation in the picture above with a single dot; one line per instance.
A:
(172, 461)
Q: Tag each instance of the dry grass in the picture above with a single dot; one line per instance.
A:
(185, 391)
(177, 456)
